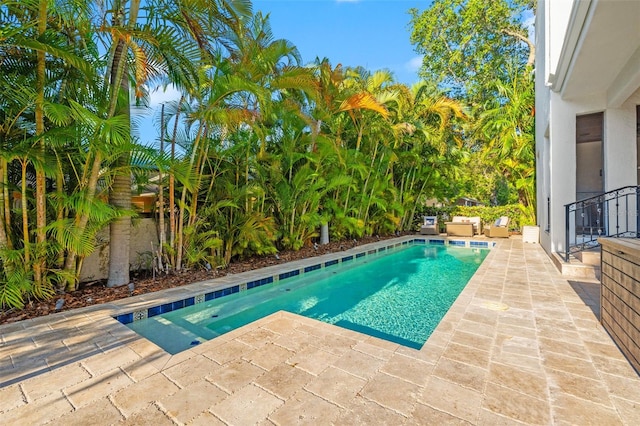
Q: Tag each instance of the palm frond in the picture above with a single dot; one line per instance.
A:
(363, 100)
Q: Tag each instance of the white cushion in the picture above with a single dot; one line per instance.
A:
(430, 220)
(459, 219)
(504, 221)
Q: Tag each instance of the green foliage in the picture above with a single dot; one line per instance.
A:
(16, 281)
(200, 245)
(470, 44)
(480, 53)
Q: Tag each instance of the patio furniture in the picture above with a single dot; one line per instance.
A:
(459, 229)
(429, 226)
(500, 228)
(462, 226)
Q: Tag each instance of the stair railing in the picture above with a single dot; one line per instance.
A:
(611, 214)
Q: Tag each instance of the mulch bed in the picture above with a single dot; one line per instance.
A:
(97, 293)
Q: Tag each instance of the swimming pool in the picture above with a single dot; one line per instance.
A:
(399, 295)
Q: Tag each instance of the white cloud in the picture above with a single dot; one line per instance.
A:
(161, 95)
(414, 64)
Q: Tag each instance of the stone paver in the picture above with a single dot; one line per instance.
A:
(138, 396)
(95, 414)
(284, 380)
(363, 411)
(249, 405)
(392, 392)
(305, 408)
(58, 379)
(234, 375)
(451, 398)
(40, 411)
(188, 403)
(191, 370)
(336, 386)
(521, 345)
(97, 387)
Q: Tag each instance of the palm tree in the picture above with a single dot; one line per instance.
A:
(428, 144)
(507, 126)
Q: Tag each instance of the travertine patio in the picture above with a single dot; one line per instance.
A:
(520, 345)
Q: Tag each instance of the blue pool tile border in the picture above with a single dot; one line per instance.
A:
(125, 318)
(289, 274)
(312, 268)
(258, 283)
(479, 244)
(130, 317)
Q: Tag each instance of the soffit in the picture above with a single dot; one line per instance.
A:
(605, 57)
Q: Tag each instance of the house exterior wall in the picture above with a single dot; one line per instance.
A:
(562, 35)
(620, 145)
(542, 104)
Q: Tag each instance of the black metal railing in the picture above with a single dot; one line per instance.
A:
(612, 214)
(548, 225)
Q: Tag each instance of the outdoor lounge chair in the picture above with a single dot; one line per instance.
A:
(429, 226)
(500, 229)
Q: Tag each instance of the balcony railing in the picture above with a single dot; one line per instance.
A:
(612, 214)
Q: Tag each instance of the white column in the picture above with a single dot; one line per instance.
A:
(563, 167)
(620, 147)
(620, 163)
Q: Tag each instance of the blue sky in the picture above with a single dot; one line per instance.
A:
(370, 33)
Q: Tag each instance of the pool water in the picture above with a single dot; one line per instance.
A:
(400, 296)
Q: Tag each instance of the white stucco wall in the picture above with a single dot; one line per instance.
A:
(144, 236)
(562, 167)
(620, 146)
(542, 123)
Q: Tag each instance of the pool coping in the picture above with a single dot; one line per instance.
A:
(246, 281)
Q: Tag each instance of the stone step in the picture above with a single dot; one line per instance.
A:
(589, 257)
(575, 268)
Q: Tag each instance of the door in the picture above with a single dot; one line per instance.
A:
(589, 173)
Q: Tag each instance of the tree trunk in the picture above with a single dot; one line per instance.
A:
(41, 213)
(183, 200)
(172, 187)
(7, 201)
(161, 225)
(25, 214)
(60, 210)
(4, 238)
(120, 229)
(120, 195)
